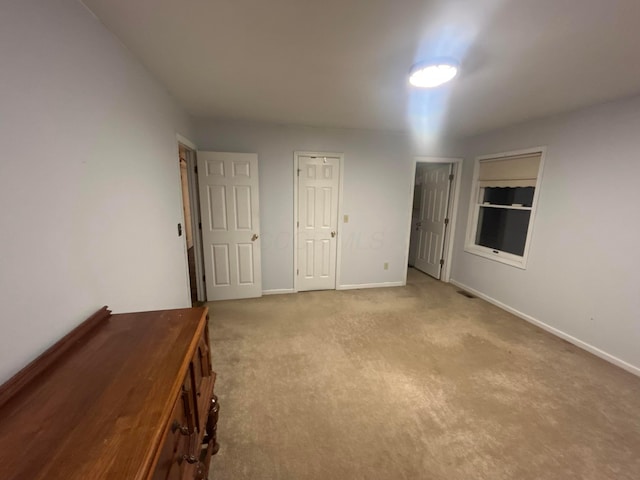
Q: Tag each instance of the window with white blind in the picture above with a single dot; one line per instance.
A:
(503, 202)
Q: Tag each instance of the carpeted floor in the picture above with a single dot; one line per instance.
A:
(415, 382)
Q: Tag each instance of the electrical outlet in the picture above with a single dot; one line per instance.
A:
(386, 266)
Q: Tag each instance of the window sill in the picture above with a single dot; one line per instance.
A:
(506, 207)
(501, 257)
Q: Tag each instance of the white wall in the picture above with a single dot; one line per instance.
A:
(377, 178)
(583, 275)
(89, 179)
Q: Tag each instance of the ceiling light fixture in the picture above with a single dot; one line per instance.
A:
(432, 74)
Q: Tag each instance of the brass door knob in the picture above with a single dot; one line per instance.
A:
(333, 234)
(254, 237)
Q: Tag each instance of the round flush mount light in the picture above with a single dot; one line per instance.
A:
(432, 74)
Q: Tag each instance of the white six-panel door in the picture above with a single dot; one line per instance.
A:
(229, 209)
(433, 212)
(317, 224)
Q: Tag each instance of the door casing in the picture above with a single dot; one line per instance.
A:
(453, 209)
(194, 200)
(296, 165)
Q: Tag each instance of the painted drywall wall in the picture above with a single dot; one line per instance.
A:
(89, 179)
(582, 276)
(377, 182)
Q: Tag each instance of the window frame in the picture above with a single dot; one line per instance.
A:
(470, 245)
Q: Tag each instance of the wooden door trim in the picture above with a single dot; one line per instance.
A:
(296, 166)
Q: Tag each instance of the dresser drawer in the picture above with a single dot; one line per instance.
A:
(183, 454)
(182, 439)
(203, 380)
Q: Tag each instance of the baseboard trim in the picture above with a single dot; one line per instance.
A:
(278, 291)
(370, 285)
(559, 333)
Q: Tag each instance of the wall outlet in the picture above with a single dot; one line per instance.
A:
(386, 265)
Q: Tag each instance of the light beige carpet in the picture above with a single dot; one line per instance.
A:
(415, 382)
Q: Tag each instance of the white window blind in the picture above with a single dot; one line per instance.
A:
(517, 171)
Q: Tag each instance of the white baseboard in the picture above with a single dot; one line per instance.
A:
(278, 291)
(559, 333)
(370, 285)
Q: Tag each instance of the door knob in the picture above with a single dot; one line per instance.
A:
(333, 234)
(254, 237)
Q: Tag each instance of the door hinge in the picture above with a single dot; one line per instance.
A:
(441, 261)
(299, 172)
(450, 177)
(195, 169)
(298, 224)
(446, 221)
(203, 278)
(297, 272)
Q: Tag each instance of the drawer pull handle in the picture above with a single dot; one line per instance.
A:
(190, 459)
(187, 457)
(181, 428)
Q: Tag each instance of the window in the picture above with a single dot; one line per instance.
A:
(503, 202)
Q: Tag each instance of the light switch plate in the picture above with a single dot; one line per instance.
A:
(346, 219)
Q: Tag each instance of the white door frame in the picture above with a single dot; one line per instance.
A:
(454, 200)
(194, 199)
(296, 166)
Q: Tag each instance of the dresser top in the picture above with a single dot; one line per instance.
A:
(100, 410)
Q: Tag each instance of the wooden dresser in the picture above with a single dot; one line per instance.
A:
(126, 396)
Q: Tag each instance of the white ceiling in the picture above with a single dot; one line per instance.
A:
(344, 63)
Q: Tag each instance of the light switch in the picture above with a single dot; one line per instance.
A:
(346, 219)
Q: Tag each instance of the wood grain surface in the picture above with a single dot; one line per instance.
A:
(101, 409)
(49, 357)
